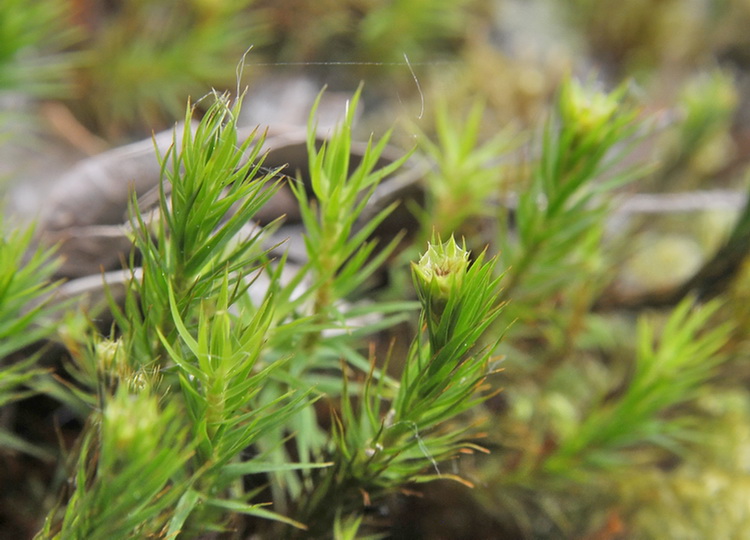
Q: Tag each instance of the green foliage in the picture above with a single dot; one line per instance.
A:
(184, 355)
(341, 198)
(576, 419)
(708, 102)
(128, 473)
(583, 435)
(33, 57)
(208, 373)
(206, 403)
(341, 257)
(443, 375)
(698, 144)
(664, 376)
(412, 27)
(559, 218)
(24, 291)
(370, 31)
(181, 48)
(385, 439)
(466, 179)
(32, 37)
(26, 316)
(203, 233)
(15, 380)
(674, 502)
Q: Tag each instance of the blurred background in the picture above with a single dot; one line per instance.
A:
(96, 74)
(78, 77)
(81, 76)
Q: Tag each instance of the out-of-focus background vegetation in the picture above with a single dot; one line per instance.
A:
(81, 76)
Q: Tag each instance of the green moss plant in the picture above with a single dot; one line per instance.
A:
(221, 383)
(241, 391)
